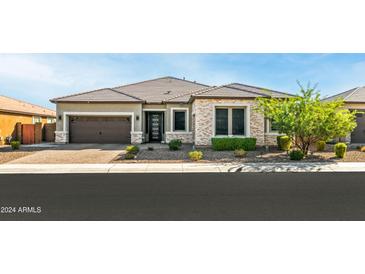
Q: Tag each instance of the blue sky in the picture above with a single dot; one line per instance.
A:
(38, 77)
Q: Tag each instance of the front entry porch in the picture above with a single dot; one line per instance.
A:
(154, 126)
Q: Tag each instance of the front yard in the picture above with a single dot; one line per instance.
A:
(163, 154)
(7, 154)
(160, 154)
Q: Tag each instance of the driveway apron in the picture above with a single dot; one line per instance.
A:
(74, 154)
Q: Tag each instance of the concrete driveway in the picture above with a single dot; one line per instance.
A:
(74, 154)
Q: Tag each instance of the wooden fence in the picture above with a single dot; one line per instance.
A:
(35, 133)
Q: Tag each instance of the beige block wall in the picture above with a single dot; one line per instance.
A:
(203, 109)
(99, 107)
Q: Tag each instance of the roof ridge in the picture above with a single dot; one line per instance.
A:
(159, 78)
(21, 101)
(262, 88)
(245, 90)
(187, 93)
(117, 91)
(355, 90)
(338, 94)
(209, 89)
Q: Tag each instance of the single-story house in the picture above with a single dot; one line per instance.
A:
(354, 100)
(13, 111)
(163, 109)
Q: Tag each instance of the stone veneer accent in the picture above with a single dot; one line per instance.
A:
(270, 139)
(203, 110)
(136, 137)
(185, 137)
(61, 137)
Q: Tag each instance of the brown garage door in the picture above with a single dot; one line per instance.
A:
(358, 135)
(102, 130)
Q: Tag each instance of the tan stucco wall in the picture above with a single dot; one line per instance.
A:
(9, 120)
(355, 106)
(99, 107)
(204, 119)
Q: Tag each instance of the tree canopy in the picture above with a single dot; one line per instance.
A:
(306, 119)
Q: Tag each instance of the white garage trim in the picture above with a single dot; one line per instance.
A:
(66, 114)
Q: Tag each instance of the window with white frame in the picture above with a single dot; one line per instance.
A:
(229, 121)
(179, 120)
(271, 126)
(37, 119)
(51, 120)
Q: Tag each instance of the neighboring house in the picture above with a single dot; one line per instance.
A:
(163, 109)
(354, 100)
(13, 111)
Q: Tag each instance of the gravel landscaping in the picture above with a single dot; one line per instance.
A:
(163, 154)
(7, 154)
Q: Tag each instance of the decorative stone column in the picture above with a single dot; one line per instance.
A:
(136, 137)
(61, 137)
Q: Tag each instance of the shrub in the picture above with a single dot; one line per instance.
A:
(240, 153)
(175, 144)
(296, 155)
(195, 155)
(340, 150)
(362, 149)
(321, 145)
(285, 143)
(278, 142)
(233, 143)
(150, 148)
(132, 149)
(130, 156)
(15, 145)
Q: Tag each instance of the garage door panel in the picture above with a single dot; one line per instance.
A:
(100, 129)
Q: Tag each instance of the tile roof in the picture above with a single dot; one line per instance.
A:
(12, 105)
(236, 90)
(226, 91)
(355, 95)
(162, 89)
(265, 91)
(99, 95)
(168, 90)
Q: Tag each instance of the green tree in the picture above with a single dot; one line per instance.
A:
(306, 119)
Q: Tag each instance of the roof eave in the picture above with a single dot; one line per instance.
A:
(27, 113)
(99, 102)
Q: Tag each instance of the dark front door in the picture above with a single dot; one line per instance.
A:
(155, 123)
(104, 130)
(358, 135)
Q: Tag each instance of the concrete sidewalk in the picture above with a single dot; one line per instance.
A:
(180, 168)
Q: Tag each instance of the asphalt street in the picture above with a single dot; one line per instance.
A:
(188, 196)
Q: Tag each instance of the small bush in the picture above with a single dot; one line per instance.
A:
(278, 142)
(362, 149)
(130, 156)
(233, 143)
(195, 155)
(296, 155)
(285, 143)
(150, 148)
(240, 153)
(15, 145)
(175, 144)
(340, 150)
(321, 145)
(132, 149)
